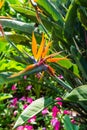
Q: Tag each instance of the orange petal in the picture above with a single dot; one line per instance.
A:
(1, 3)
(51, 70)
(34, 46)
(55, 59)
(41, 48)
(52, 55)
(23, 71)
(46, 49)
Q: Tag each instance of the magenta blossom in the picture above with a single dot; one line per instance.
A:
(32, 119)
(55, 110)
(55, 123)
(25, 106)
(25, 77)
(14, 102)
(29, 100)
(20, 128)
(26, 127)
(23, 98)
(45, 111)
(13, 88)
(15, 112)
(29, 87)
(60, 76)
(73, 121)
(59, 99)
(66, 112)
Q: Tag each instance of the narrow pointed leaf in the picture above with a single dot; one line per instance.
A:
(34, 46)
(33, 109)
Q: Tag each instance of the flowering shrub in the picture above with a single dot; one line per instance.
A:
(43, 86)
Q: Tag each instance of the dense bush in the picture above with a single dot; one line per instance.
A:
(43, 71)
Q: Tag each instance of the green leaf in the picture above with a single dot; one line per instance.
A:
(15, 1)
(19, 39)
(3, 44)
(50, 10)
(68, 125)
(82, 15)
(31, 14)
(80, 61)
(82, 2)
(18, 25)
(33, 109)
(70, 20)
(78, 94)
(4, 96)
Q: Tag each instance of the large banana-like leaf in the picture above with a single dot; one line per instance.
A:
(21, 26)
(50, 10)
(78, 94)
(31, 14)
(34, 108)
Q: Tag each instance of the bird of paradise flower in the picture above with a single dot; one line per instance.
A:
(41, 57)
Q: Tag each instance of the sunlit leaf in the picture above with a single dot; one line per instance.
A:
(77, 94)
(34, 108)
(4, 96)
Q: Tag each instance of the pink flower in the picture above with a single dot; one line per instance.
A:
(25, 77)
(15, 113)
(13, 88)
(55, 110)
(59, 99)
(20, 128)
(44, 128)
(73, 121)
(25, 106)
(23, 98)
(45, 111)
(66, 112)
(55, 123)
(14, 102)
(29, 100)
(29, 87)
(32, 119)
(60, 76)
(26, 127)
